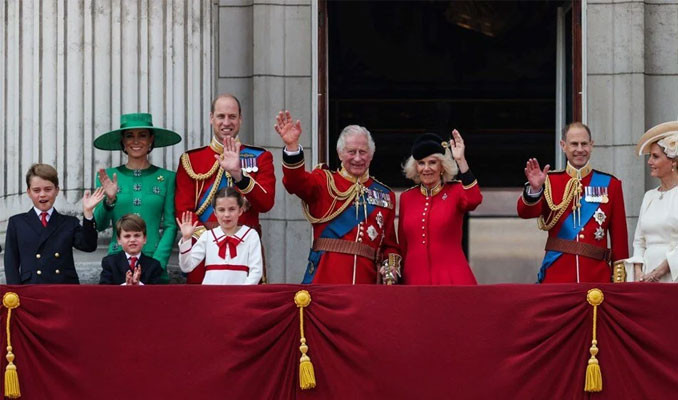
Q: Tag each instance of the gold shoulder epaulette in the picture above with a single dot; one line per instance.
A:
(410, 188)
(557, 171)
(321, 166)
(186, 163)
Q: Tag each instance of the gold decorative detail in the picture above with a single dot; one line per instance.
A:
(347, 196)
(12, 390)
(186, 163)
(572, 190)
(216, 146)
(306, 373)
(431, 192)
(295, 165)
(594, 377)
(352, 178)
(250, 185)
(580, 173)
(160, 178)
(618, 272)
(213, 191)
(470, 185)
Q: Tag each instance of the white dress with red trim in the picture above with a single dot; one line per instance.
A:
(229, 259)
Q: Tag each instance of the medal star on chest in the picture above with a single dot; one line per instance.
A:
(599, 216)
(371, 232)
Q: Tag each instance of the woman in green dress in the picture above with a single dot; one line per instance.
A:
(138, 187)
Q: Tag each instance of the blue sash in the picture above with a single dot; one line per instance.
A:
(205, 216)
(568, 230)
(245, 153)
(338, 228)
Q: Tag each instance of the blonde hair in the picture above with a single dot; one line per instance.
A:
(450, 168)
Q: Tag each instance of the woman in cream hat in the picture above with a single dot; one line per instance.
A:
(138, 187)
(655, 244)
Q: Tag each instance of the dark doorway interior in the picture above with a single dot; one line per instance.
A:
(485, 68)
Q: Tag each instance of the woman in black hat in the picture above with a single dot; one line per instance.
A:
(431, 213)
(137, 187)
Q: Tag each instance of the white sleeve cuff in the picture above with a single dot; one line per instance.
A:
(292, 153)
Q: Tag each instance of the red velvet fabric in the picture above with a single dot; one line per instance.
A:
(376, 342)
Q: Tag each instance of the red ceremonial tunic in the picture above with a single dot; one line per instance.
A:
(377, 231)
(430, 230)
(576, 268)
(257, 185)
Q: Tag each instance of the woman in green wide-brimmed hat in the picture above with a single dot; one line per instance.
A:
(138, 187)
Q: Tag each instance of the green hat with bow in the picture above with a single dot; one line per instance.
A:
(113, 140)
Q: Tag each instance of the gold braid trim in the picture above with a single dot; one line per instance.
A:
(215, 187)
(348, 196)
(186, 163)
(571, 189)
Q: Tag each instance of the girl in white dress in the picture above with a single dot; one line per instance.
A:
(232, 253)
(655, 244)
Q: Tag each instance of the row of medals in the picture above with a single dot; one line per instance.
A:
(249, 164)
(596, 194)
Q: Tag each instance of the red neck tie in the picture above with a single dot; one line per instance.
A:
(43, 218)
(132, 263)
(230, 242)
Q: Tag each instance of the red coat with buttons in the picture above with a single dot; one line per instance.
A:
(377, 231)
(430, 230)
(575, 268)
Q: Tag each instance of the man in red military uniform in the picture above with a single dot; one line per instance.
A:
(225, 162)
(352, 214)
(579, 207)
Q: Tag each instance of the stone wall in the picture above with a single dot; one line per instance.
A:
(264, 57)
(632, 77)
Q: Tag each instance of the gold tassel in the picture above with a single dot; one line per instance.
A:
(306, 373)
(594, 377)
(11, 301)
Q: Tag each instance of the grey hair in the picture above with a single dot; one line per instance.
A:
(354, 130)
(450, 168)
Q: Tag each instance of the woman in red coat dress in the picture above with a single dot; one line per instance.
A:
(432, 212)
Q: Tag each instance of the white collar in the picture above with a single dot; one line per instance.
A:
(39, 212)
(128, 255)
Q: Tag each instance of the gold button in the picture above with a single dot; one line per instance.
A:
(56, 255)
(39, 272)
(57, 271)
(37, 255)
(360, 239)
(423, 220)
(581, 236)
(423, 242)
(423, 235)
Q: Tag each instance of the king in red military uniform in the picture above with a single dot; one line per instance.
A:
(352, 213)
(225, 162)
(579, 207)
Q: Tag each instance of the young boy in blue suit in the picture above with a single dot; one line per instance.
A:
(39, 243)
(130, 266)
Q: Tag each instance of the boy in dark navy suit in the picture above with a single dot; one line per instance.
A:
(39, 243)
(130, 266)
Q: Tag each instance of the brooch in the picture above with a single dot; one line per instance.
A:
(160, 178)
(599, 216)
(380, 220)
(371, 232)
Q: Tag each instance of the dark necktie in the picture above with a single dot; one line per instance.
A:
(132, 263)
(43, 218)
